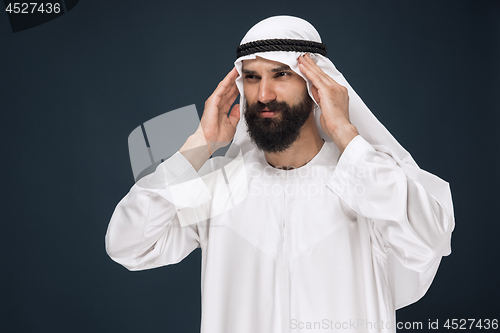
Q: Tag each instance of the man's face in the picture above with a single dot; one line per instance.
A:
(278, 104)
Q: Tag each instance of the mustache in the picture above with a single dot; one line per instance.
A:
(272, 106)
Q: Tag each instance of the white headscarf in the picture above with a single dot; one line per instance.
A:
(288, 27)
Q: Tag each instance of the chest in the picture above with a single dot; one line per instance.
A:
(289, 215)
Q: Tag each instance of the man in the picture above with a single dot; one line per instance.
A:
(333, 227)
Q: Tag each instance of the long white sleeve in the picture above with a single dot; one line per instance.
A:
(412, 223)
(144, 231)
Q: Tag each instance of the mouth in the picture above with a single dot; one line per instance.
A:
(266, 113)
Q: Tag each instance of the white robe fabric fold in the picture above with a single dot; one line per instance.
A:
(307, 250)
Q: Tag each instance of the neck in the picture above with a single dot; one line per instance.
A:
(307, 145)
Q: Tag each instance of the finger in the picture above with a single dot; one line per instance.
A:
(228, 81)
(318, 69)
(313, 68)
(232, 75)
(312, 73)
(230, 91)
(227, 92)
(226, 87)
(308, 61)
(229, 98)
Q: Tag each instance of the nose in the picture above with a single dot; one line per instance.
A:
(266, 91)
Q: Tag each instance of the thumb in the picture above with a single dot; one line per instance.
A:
(234, 115)
(315, 94)
(322, 122)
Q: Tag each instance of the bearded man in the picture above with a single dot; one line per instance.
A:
(337, 226)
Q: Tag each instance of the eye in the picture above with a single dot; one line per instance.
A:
(282, 74)
(250, 77)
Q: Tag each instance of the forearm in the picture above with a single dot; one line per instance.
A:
(144, 231)
(133, 233)
(409, 220)
(342, 134)
(196, 150)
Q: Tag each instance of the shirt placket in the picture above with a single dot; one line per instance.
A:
(283, 269)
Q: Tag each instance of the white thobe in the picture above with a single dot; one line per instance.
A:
(329, 246)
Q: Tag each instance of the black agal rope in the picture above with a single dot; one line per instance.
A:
(270, 45)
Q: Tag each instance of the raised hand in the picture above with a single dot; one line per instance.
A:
(217, 127)
(333, 100)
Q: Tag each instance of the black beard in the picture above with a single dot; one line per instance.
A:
(277, 134)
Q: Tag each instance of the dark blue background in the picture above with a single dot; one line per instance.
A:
(72, 90)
